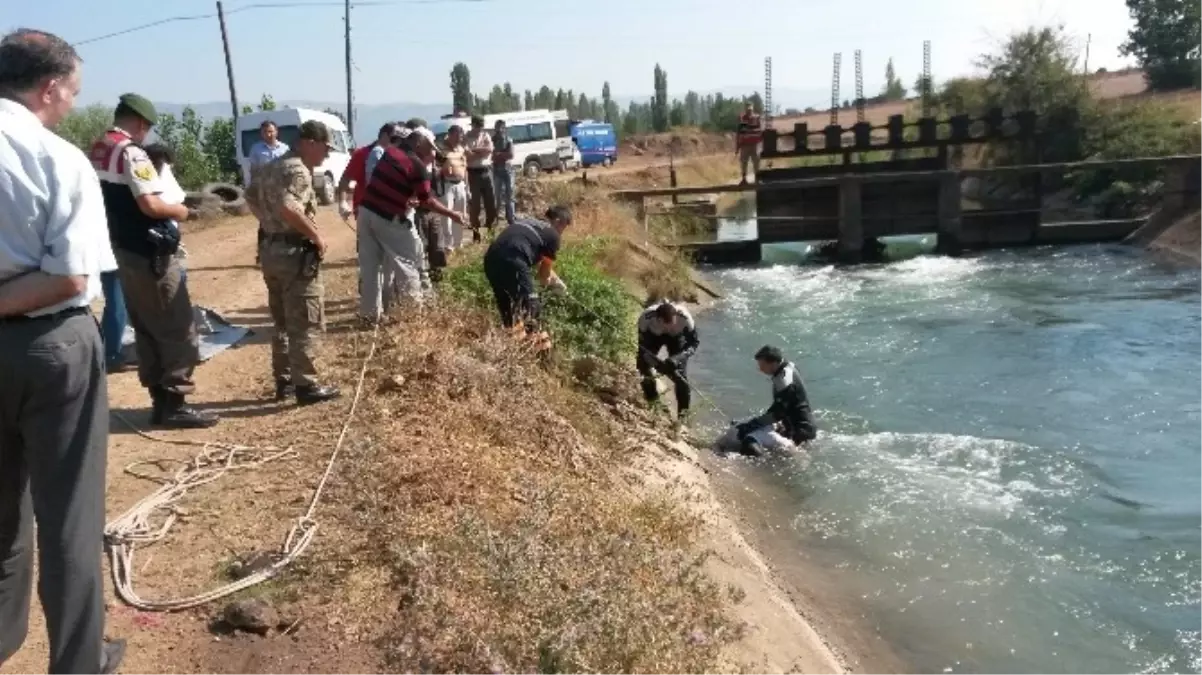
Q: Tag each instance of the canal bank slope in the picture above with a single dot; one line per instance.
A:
(488, 509)
(1178, 239)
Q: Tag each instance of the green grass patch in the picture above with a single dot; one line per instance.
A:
(596, 318)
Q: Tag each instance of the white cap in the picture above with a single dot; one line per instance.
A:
(424, 133)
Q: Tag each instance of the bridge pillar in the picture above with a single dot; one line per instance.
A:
(851, 219)
(948, 239)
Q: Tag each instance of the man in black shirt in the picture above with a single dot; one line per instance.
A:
(790, 405)
(511, 257)
(666, 325)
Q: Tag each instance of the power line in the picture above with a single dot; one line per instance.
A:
(269, 5)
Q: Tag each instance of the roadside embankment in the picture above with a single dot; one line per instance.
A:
(489, 509)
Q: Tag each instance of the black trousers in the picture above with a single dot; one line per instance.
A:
(54, 428)
(513, 288)
(479, 184)
(679, 377)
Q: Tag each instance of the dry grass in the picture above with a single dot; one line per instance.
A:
(595, 215)
(487, 505)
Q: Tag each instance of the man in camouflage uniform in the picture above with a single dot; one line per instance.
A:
(282, 198)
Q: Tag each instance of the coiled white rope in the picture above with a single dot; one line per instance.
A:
(135, 526)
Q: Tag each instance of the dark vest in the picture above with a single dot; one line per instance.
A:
(129, 228)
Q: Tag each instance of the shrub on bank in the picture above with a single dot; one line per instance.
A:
(595, 319)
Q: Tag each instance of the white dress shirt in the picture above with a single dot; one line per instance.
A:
(52, 215)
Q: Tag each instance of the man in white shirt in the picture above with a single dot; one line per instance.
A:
(54, 403)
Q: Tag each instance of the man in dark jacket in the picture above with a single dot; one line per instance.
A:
(522, 251)
(790, 405)
(665, 325)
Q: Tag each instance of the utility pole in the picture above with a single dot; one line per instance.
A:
(1088, 39)
(229, 64)
(350, 109)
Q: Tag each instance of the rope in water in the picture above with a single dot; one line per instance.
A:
(135, 526)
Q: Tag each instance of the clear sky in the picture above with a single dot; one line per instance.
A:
(404, 49)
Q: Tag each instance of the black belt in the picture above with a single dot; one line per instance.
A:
(453, 181)
(61, 314)
(478, 169)
(286, 237)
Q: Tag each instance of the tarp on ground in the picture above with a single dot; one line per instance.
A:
(214, 334)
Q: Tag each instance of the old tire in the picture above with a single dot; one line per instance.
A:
(196, 200)
(232, 197)
(324, 186)
(531, 168)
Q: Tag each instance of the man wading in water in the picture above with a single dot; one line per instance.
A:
(790, 405)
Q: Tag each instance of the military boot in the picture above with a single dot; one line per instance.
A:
(284, 388)
(316, 393)
(170, 412)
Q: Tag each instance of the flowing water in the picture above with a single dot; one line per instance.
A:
(1009, 475)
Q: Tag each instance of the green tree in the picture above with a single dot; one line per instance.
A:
(461, 87)
(607, 103)
(84, 125)
(924, 85)
(893, 90)
(266, 102)
(1166, 40)
(659, 104)
(676, 114)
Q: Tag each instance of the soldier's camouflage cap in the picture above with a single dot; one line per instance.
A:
(316, 131)
(140, 105)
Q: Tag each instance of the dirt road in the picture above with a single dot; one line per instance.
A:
(235, 384)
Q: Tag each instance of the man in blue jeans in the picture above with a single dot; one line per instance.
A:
(502, 171)
(113, 321)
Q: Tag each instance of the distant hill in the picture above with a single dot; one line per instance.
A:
(368, 118)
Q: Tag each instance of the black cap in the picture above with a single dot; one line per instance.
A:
(770, 354)
(141, 106)
(315, 131)
(415, 122)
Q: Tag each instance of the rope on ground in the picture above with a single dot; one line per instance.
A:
(134, 526)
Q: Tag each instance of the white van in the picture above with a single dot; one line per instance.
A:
(538, 142)
(288, 121)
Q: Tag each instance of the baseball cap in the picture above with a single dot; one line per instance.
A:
(423, 133)
(140, 105)
(313, 130)
(399, 134)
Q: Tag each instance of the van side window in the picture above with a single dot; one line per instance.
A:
(338, 141)
(562, 128)
(519, 133)
(541, 131)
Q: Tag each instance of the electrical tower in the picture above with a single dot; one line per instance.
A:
(927, 84)
(835, 90)
(859, 88)
(768, 88)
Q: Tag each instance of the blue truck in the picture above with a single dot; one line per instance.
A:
(597, 142)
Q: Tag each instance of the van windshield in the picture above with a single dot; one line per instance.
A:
(289, 134)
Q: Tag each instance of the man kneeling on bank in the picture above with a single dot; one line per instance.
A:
(665, 325)
(790, 407)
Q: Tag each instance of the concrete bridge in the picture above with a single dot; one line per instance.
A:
(853, 202)
(916, 190)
